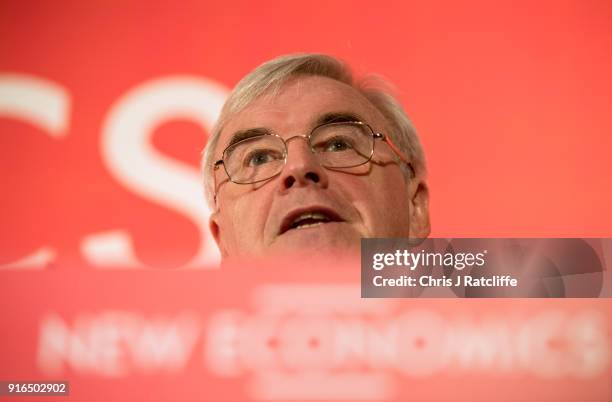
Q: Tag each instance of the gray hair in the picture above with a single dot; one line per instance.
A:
(270, 77)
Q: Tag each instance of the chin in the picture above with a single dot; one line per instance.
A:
(324, 239)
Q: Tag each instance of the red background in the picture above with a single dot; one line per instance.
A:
(511, 100)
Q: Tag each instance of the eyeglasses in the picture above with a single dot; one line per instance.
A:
(336, 146)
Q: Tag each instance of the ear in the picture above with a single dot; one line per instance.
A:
(215, 229)
(419, 209)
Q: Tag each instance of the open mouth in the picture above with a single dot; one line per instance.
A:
(308, 219)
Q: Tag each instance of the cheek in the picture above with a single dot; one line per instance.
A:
(247, 217)
(384, 205)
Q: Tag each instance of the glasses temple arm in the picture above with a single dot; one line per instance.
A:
(397, 151)
(214, 174)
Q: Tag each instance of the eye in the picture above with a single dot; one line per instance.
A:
(337, 144)
(261, 157)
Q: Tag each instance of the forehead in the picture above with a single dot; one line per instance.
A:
(297, 105)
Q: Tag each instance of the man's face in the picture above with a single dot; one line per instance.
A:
(308, 207)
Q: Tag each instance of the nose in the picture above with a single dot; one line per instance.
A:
(302, 167)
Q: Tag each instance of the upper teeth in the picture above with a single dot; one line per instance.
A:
(310, 215)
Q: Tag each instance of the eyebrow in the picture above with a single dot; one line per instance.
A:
(337, 117)
(248, 133)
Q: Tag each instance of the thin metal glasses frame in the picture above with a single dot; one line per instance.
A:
(375, 136)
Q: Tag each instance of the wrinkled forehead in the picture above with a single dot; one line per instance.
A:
(299, 105)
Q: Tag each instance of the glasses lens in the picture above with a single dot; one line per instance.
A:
(255, 159)
(341, 145)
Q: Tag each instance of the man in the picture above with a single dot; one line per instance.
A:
(303, 157)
